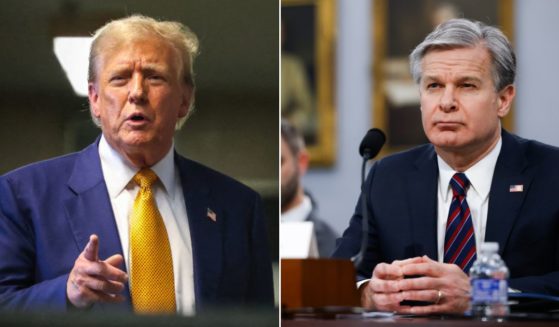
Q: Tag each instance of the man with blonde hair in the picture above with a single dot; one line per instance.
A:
(128, 222)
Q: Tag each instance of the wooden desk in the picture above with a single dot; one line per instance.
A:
(415, 322)
(318, 283)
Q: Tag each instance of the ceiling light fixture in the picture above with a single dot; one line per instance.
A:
(73, 53)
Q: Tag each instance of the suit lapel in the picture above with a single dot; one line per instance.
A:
(89, 211)
(422, 199)
(505, 205)
(206, 234)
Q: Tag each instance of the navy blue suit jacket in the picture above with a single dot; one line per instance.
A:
(49, 209)
(401, 192)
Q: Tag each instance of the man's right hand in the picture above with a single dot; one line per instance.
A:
(92, 280)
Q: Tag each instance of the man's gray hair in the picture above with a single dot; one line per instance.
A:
(114, 33)
(464, 33)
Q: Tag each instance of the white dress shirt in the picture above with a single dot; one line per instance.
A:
(477, 196)
(298, 213)
(169, 197)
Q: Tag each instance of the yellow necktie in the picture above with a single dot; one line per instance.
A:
(151, 267)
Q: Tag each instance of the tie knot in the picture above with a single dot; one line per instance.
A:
(459, 184)
(145, 178)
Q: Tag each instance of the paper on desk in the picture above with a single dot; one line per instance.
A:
(377, 314)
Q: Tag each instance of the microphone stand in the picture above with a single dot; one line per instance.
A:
(358, 258)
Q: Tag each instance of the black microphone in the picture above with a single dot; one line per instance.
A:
(372, 143)
(370, 146)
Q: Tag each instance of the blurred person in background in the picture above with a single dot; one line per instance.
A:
(297, 204)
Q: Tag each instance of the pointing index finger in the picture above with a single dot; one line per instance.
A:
(91, 250)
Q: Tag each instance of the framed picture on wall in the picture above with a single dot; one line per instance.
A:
(399, 26)
(307, 74)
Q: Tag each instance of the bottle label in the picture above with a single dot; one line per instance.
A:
(489, 291)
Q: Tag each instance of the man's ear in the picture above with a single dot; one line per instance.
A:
(506, 96)
(303, 162)
(93, 96)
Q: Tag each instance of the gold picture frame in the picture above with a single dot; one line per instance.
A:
(307, 74)
(398, 26)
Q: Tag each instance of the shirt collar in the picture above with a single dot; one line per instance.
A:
(299, 213)
(118, 172)
(480, 174)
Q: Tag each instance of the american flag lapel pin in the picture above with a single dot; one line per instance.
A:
(516, 188)
(211, 214)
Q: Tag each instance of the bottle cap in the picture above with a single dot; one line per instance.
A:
(490, 246)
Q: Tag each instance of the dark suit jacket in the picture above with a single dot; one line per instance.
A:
(402, 204)
(49, 209)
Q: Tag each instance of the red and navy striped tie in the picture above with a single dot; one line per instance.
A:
(460, 240)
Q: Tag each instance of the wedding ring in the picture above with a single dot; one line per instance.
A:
(439, 296)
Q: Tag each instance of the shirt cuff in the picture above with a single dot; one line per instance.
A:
(361, 282)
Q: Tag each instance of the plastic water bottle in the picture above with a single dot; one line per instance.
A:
(488, 277)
